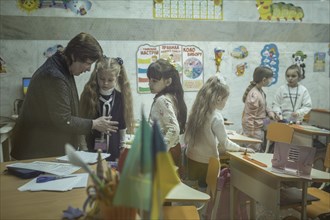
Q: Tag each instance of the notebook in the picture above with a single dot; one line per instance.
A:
(293, 159)
(87, 157)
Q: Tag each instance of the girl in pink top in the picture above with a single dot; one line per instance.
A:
(255, 109)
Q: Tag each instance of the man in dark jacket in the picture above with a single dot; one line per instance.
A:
(49, 117)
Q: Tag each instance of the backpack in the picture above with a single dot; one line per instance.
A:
(222, 206)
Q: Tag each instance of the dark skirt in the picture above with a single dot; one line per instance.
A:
(177, 158)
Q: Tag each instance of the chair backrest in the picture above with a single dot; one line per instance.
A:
(320, 118)
(213, 171)
(279, 132)
(327, 159)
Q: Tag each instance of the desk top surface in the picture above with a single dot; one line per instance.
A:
(311, 130)
(265, 158)
(321, 110)
(239, 138)
(7, 127)
(50, 205)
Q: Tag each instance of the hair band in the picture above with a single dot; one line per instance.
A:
(119, 60)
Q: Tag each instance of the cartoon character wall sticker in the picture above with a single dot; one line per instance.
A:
(240, 69)
(319, 62)
(270, 57)
(279, 11)
(240, 53)
(299, 58)
(218, 52)
(80, 7)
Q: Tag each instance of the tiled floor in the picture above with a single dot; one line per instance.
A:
(264, 214)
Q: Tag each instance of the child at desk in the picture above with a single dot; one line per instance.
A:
(168, 107)
(101, 97)
(292, 100)
(255, 108)
(205, 128)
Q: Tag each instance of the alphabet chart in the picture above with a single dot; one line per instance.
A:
(188, 9)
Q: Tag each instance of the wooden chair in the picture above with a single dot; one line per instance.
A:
(278, 132)
(213, 172)
(321, 207)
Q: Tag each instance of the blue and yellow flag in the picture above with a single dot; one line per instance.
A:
(135, 185)
(164, 175)
(148, 174)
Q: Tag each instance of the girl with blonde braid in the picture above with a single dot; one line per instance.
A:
(108, 93)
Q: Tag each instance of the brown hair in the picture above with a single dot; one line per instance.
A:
(297, 69)
(162, 69)
(259, 74)
(83, 47)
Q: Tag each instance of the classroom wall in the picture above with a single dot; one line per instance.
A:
(122, 26)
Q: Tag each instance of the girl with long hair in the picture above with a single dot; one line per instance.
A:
(168, 107)
(108, 93)
(206, 132)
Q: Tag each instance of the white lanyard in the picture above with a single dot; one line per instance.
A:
(107, 104)
(295, 99)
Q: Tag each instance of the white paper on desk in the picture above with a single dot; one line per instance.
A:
(290, 172)
(65, 184)
(60, 169)
(87, 157)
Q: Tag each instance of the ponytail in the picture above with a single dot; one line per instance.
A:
(248, 89)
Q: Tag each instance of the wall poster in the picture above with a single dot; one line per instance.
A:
(188, 9)
(188, 60)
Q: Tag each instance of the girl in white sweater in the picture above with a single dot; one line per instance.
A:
(205, 130)
(292, 100)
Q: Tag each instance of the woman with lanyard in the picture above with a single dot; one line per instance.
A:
(108, 93)
(292, 101)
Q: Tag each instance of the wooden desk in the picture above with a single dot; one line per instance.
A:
(184, 193)
(5, 133)
(303, 134)
(237, 138)
(240, 139)
(262, 185)
(42, 205)
(310, 130)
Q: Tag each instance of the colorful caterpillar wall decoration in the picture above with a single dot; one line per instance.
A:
(277, 11)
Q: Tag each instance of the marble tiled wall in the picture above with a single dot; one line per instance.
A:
(22, 47)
